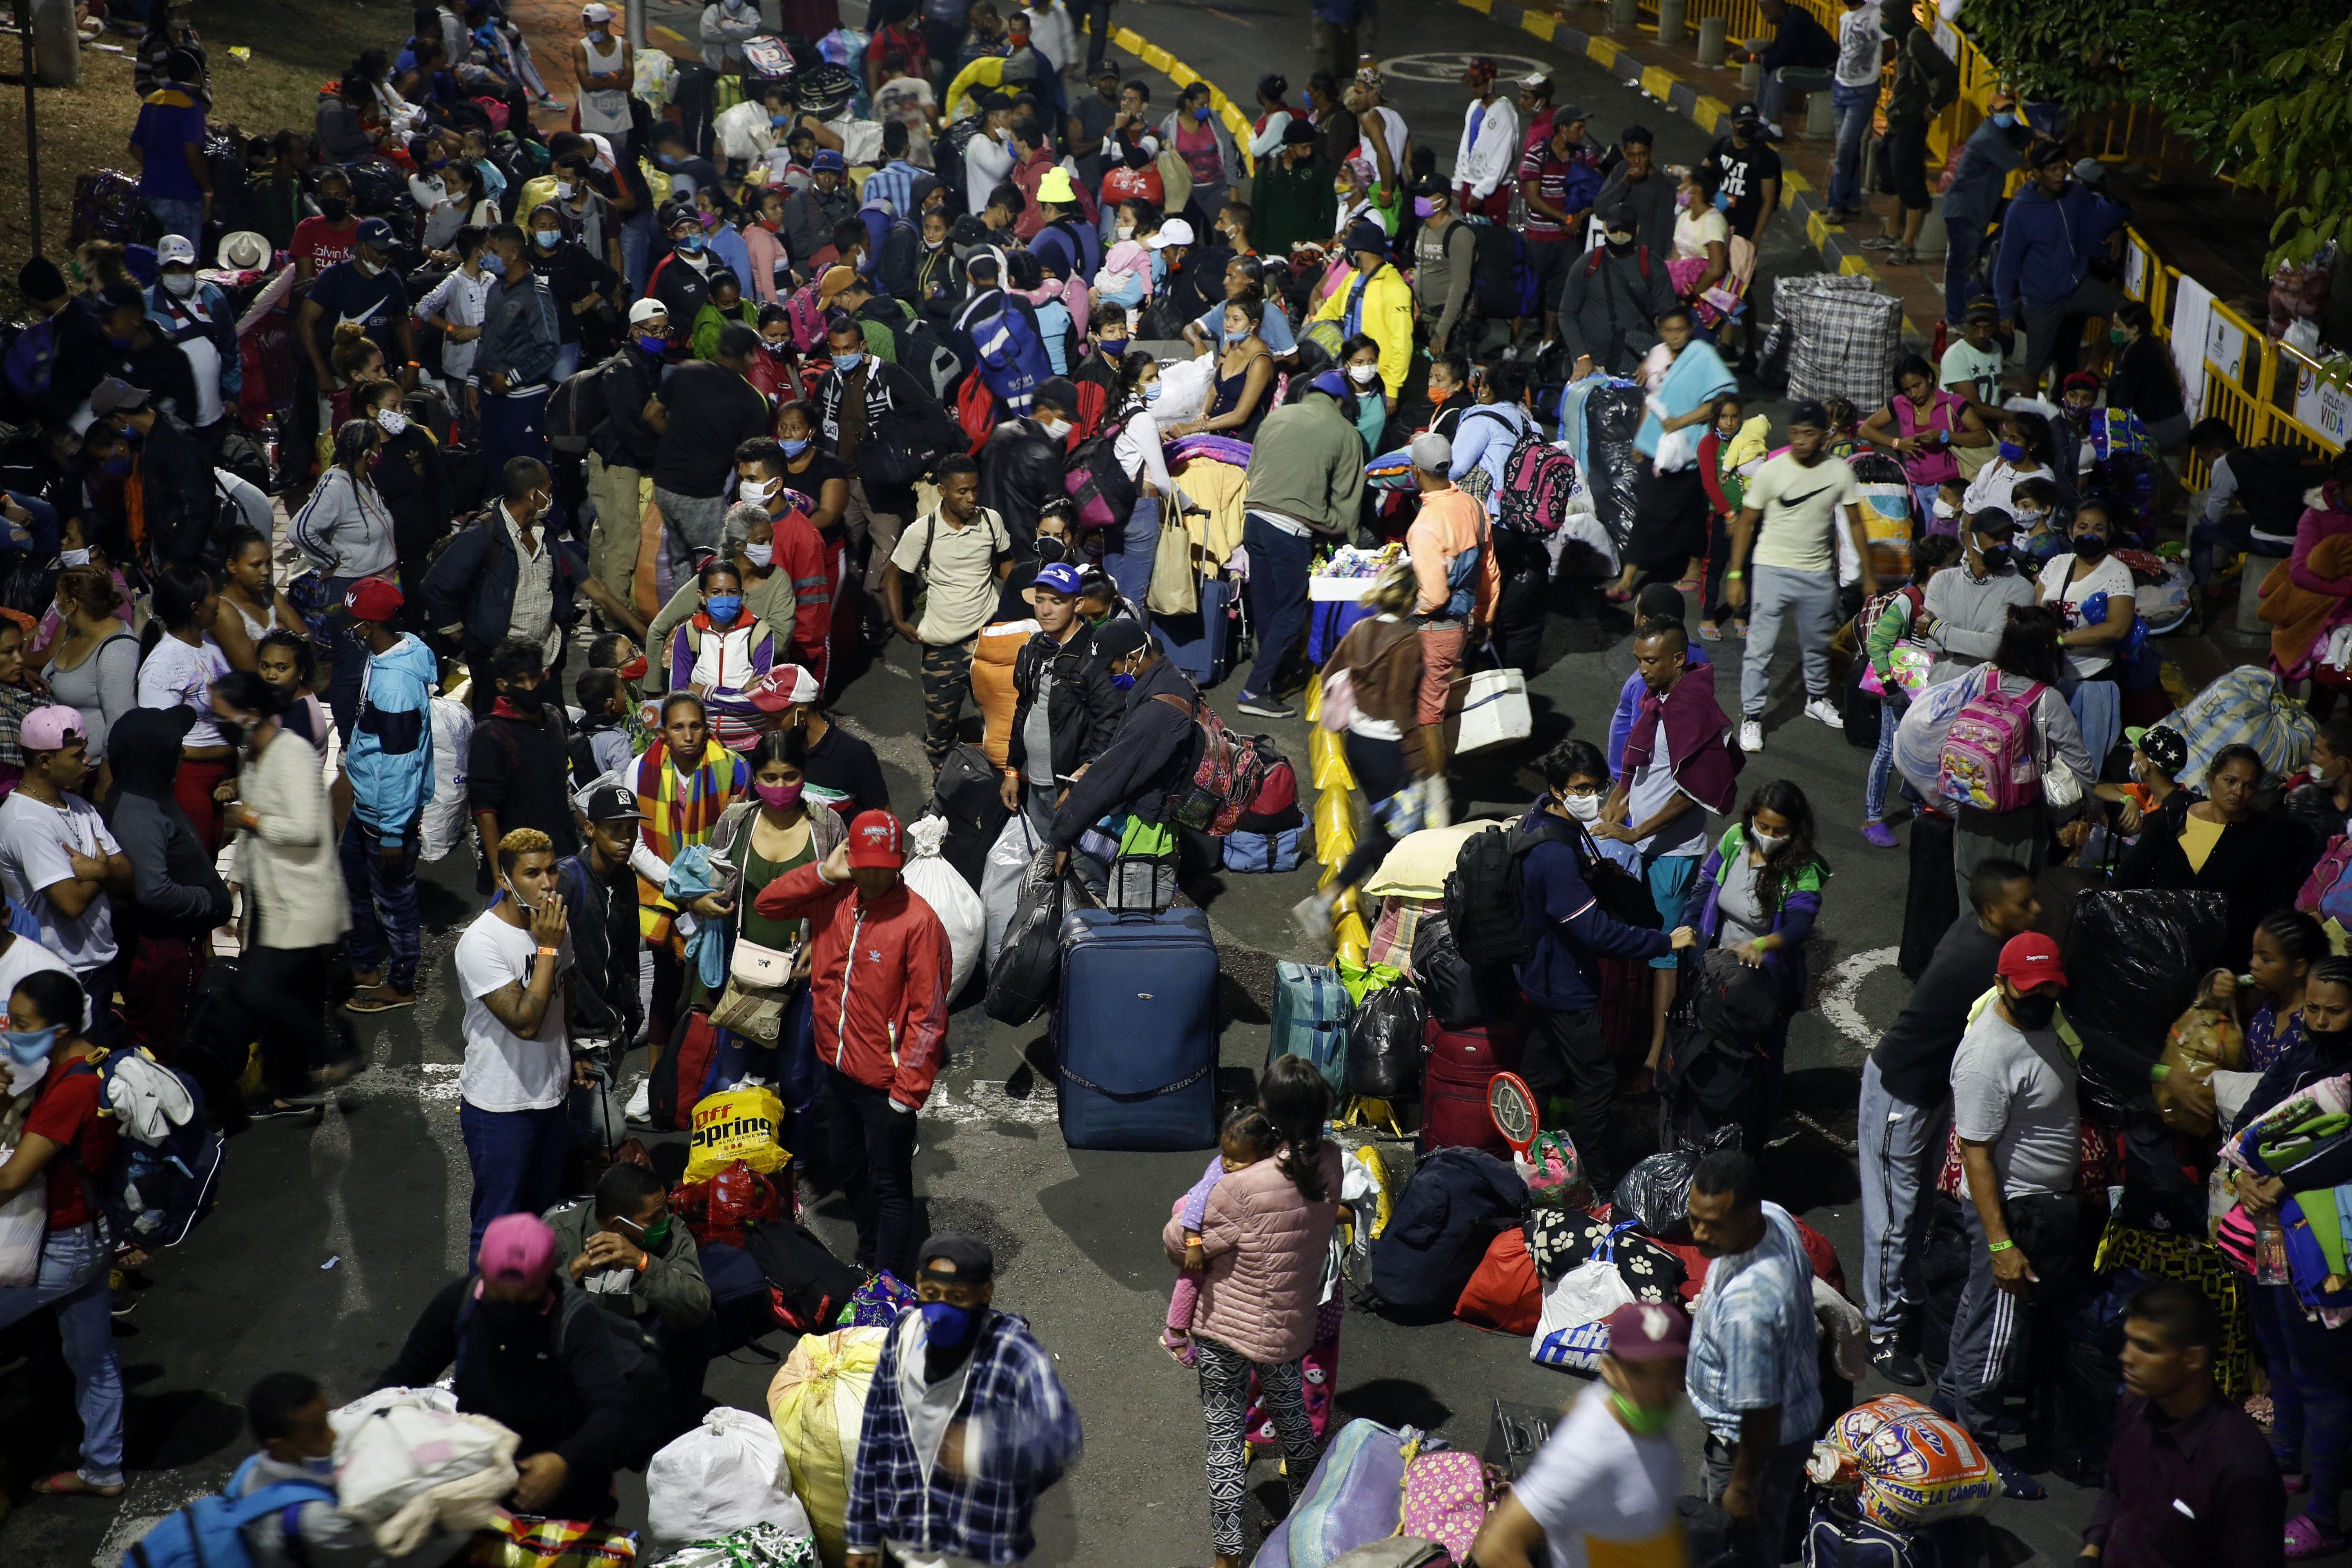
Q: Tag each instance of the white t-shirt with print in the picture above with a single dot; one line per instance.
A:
(1593, 1481)
(503, 1071)
(35, 838)
(2110, 577)
(177, 676)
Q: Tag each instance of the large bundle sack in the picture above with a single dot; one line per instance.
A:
(1355, 1498)
(1613, 467)
(970, 794)
(406, 1463)
(1384, 1042)
(1000, 881)
(950, 896)
(1911, 1466)
(736, 1126)
(1843, 336)
(753, 1546)
(818, 1403)
(1656, 1192)
(443, 827)
(2133, 963)
(2244, 707)
(1022, 978)
(1505, 1293)
(1456, 1203)
(721, 1475)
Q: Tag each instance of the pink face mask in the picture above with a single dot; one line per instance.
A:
(780, 797)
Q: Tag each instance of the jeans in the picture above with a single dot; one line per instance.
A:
(346, 665)
(1882, 763)
(1097, 24)
(1779, 83)
(374, 882)
(73, 1280)
(1853, 105)
(1964, 244)
(1224, 1403)
(2310, 1368)
(873, 1147)
(512, 426)
(1756, 1540)
(1899, 1147)
(1808, 601)
(184, 218)
(517, 1161)
(637, 251)
(2231, 535)
(1138, 544)
(567, 361)
(1277, 590)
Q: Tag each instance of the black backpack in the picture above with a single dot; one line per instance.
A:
(1485, 905)
(575, 409)
(1501, 282)
(806, 1283)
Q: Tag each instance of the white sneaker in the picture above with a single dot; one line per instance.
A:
(640, 1109)
(1826, 712)
(1752, 735)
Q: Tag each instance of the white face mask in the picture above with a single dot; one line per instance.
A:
(1363, 375)
(1056, 429)
(757, 491)
(1768, 842)
(392, 421)
(760, 554)
(179, 285)
(1583, 807)
(74, 557)
(1124, 230)
(368, 268)
(564, 189)
(1946, 509)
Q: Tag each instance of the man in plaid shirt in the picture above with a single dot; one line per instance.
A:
(966, 1422)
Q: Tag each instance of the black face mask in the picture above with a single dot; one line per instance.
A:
(232, 734)
(524, 700)
(1050, 550)
(506, 1316)
(2333, 1045)
(2090, 546)
(1996, 558)
(334, 209)
(2032, 1011)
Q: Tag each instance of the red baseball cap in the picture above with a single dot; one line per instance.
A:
(373, 599)
(876, 839)
(2029, 961)
(1647, 1330)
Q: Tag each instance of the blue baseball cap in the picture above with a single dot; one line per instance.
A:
(1061, 577)
(827, 158)
(1332, 381)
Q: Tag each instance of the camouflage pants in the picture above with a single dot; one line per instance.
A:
(946, 676)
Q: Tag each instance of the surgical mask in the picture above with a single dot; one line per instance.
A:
(2090, 546)
(1363, 375)
(794, 449)
(945, 1324)
(392, 421)
(1944, 508)
(438, 163)
(1682, 199)
(367, 268)
(564, 189)
(1583, 807)
(760, 554)
(1056, 429)
(1123, 679)
(1232, 338)
(655, 1237)
(334, 209)
(1768, 842)
(724, 607)
(847, 362)
(545, 239)
(780, 797)
(26, 1047)
(1124, 230)
(179, 285)
(2032, 1011)
(2010, 451)
(633, 670)
(1115, 348)
(73, 557)
(691, 244)
(2006, 119)
(1422, 206)
(652, 343)
(1343, 191)
(757, 491)
(1200, 111)
(1152, 393)
(2115, 335)
(1640, 1419)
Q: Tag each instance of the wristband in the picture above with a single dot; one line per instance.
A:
(1733, 575)
(1999, 1246)
(2158, 1072)
(548, 952)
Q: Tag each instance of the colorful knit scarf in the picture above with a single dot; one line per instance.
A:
(681, 808)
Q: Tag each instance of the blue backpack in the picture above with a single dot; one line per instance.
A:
(209, 1532)
(155, 1193)
(1012, 360)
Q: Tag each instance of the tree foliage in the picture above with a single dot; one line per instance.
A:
(2295, 142)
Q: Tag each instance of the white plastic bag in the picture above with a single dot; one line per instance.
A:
(1188, 383)
(406, 1463)
(23, 1220)
(999, 878)
(725, 1474)
(950, 896)
(443, 825)
(1573, 1331)
(1493, 710)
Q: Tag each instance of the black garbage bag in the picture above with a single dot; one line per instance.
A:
(2133, 961)
(1459, 995)
(1612, 467)
(1655, 1194)
(1031, 959)
(1384, 1044)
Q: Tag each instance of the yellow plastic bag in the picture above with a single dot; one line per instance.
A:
(818, 1403)
(1327, 760)
(736, 1124)
(1335, 825)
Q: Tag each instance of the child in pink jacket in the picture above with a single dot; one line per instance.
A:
(1248, 1138)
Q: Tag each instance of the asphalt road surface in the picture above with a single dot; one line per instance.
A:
(329, 1238)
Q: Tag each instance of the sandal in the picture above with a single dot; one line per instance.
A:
(1709, 632)
(69, 1483)
(1687, 585)
(380, 999)
(1616, 597)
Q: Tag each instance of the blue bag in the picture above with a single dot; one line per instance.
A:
(1265, 851)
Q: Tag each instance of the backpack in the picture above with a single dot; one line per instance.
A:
(1838, 1537)
(807, 319)
(209, 1532)
(1592, 262)
(156, 1193)
(1988, 758)
(575, 409)
(1867, 622)
(1537, 479)
(1012, 357)
(807, 1285)
(2321, 895)
(1501, 282)
(1228, 771)
(105, 207)
(925, 355)
(1484, 896)
(31, 360)
(1098, 483)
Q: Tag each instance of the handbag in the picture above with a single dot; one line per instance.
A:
(23, 1223)
(1175, 582)
(759, 986)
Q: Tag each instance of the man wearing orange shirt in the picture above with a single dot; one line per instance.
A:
(1448, 546)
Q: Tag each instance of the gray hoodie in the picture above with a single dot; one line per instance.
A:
(1970, 612)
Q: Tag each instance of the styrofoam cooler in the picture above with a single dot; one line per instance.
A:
(1135, 1035)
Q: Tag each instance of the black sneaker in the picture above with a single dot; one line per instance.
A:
(2014, 1481)
(1895, 1365)
(1266, 708)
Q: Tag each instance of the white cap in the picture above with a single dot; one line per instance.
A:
(1432, 453)
(1175, 231)
(173, 250)
(646, 310)
(597, 11)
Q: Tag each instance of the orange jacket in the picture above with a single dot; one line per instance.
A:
(878, 978)
(1449, 523)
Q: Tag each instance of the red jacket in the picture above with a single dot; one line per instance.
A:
(878, 978)
(800, 554)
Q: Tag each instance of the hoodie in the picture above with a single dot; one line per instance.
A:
(2047, 244)
(1571, 932)
(390, 762)
(1147, 757)
(175, 891)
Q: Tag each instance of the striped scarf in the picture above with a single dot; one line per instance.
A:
(680, 811)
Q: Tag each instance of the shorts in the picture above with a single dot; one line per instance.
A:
(1672, 877)
(1548, 260)
(1905, 151)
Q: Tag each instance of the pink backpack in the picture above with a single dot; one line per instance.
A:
(1537, 479)
(1445, 1500)
(1988, 760)
(807, 319)
(2326, 892)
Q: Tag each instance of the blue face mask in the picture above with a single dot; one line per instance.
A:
(1200, 111)
(2010, 451)
(652, 343)
(2006, 119)
(1123, 680)
(944, 1324)
(690, 244)
(724, 607)
(779, 120)
(794, 449)
(1152, 393)
(28, 1047)
(667, 159)
(1722, 202)
(1232, 338)
(847, 362)
(1114, 347)
(115, 465)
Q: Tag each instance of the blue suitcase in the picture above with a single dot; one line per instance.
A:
(1197, 642)
(1135, 1037)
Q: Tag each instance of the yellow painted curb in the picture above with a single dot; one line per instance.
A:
(1657, 81)
(1602, 52)
(1710, 114)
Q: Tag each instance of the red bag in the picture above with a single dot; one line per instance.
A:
(1503, 1296)
(684, 1073)
(1462, 1063)
(718, 1209)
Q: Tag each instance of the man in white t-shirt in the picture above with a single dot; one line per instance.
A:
(2089, 644)
(2014, 1110)
(513, 963)
(1799, 498)
(57, 858)
(1607, 1477)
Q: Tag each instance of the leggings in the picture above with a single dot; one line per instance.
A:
(1882, 763)
(1224, 1399)
(285, 991)
(2311, 1411)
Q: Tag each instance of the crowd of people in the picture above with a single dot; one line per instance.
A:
(473, 472)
